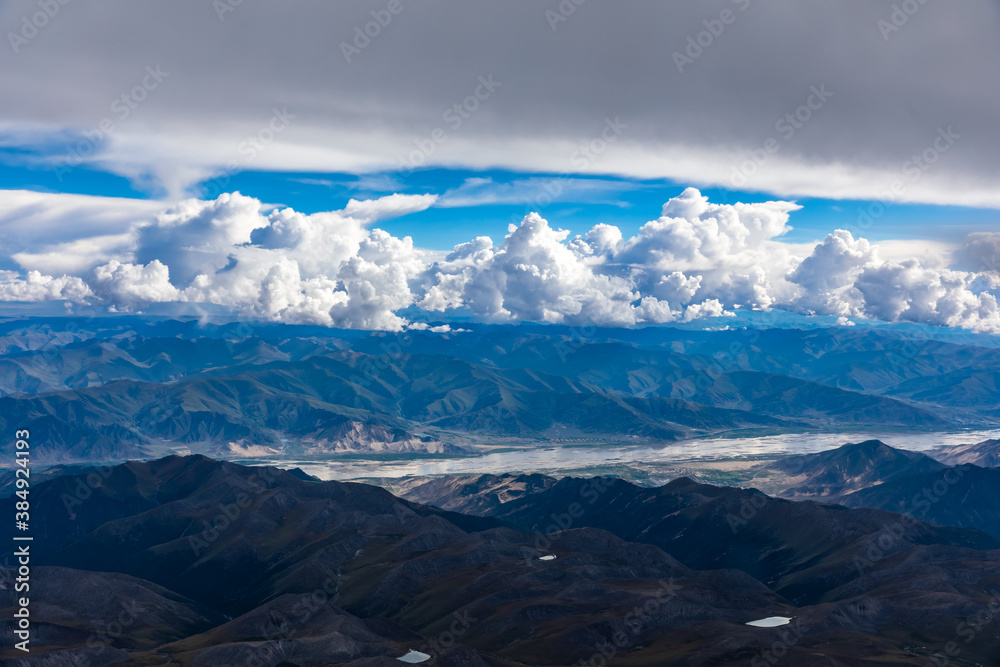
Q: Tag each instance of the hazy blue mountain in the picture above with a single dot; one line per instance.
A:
(974, 391)
(120, 388)
(984, 454)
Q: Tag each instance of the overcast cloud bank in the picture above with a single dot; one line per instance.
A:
(838, 103)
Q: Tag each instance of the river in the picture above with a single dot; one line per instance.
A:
(553, 460)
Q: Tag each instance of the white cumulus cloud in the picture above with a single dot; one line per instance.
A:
(696, 260)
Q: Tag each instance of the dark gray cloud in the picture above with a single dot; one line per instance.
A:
(555, 84)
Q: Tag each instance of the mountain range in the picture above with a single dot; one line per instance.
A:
(124, 388)
(204, 562)
(984, 454)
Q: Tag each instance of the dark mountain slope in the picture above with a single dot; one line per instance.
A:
(255, 543)
(480, 495)
(985, 454)
(963, 496)
(802, 550)
(849, 468)
(235, 538)
(73, 602)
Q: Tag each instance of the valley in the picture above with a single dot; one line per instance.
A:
(500, 497)
(231, 565)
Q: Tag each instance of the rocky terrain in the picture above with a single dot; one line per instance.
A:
(983, 454)
(128, 388)
(232, 565)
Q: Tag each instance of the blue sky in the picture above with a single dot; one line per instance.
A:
(702, 185)
(623, 202)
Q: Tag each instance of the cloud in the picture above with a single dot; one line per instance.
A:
(693, 126)
(67, 233)
(392, 206)
(696, 260)
(535, 191)
(908, 292)
(980, 252)
(130, 286)
(377, 282)
(284, 296)
(695, 233)
(75, 256)
(845, 277)
(326, 268)
(198, 237)
(707, 308)
(827, 276)
(534, 275)
(37, 287)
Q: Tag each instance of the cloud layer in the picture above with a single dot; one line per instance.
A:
(697, 260)
(683, 94)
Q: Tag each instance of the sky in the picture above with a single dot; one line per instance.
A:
(565, 161)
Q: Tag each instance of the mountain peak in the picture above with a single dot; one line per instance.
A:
(680, 483)
(851, 467)
(869, 445)
(985, 454)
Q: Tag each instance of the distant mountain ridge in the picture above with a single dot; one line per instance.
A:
(137, 389)
(984, 454)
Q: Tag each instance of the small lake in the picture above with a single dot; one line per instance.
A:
(554, 460)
